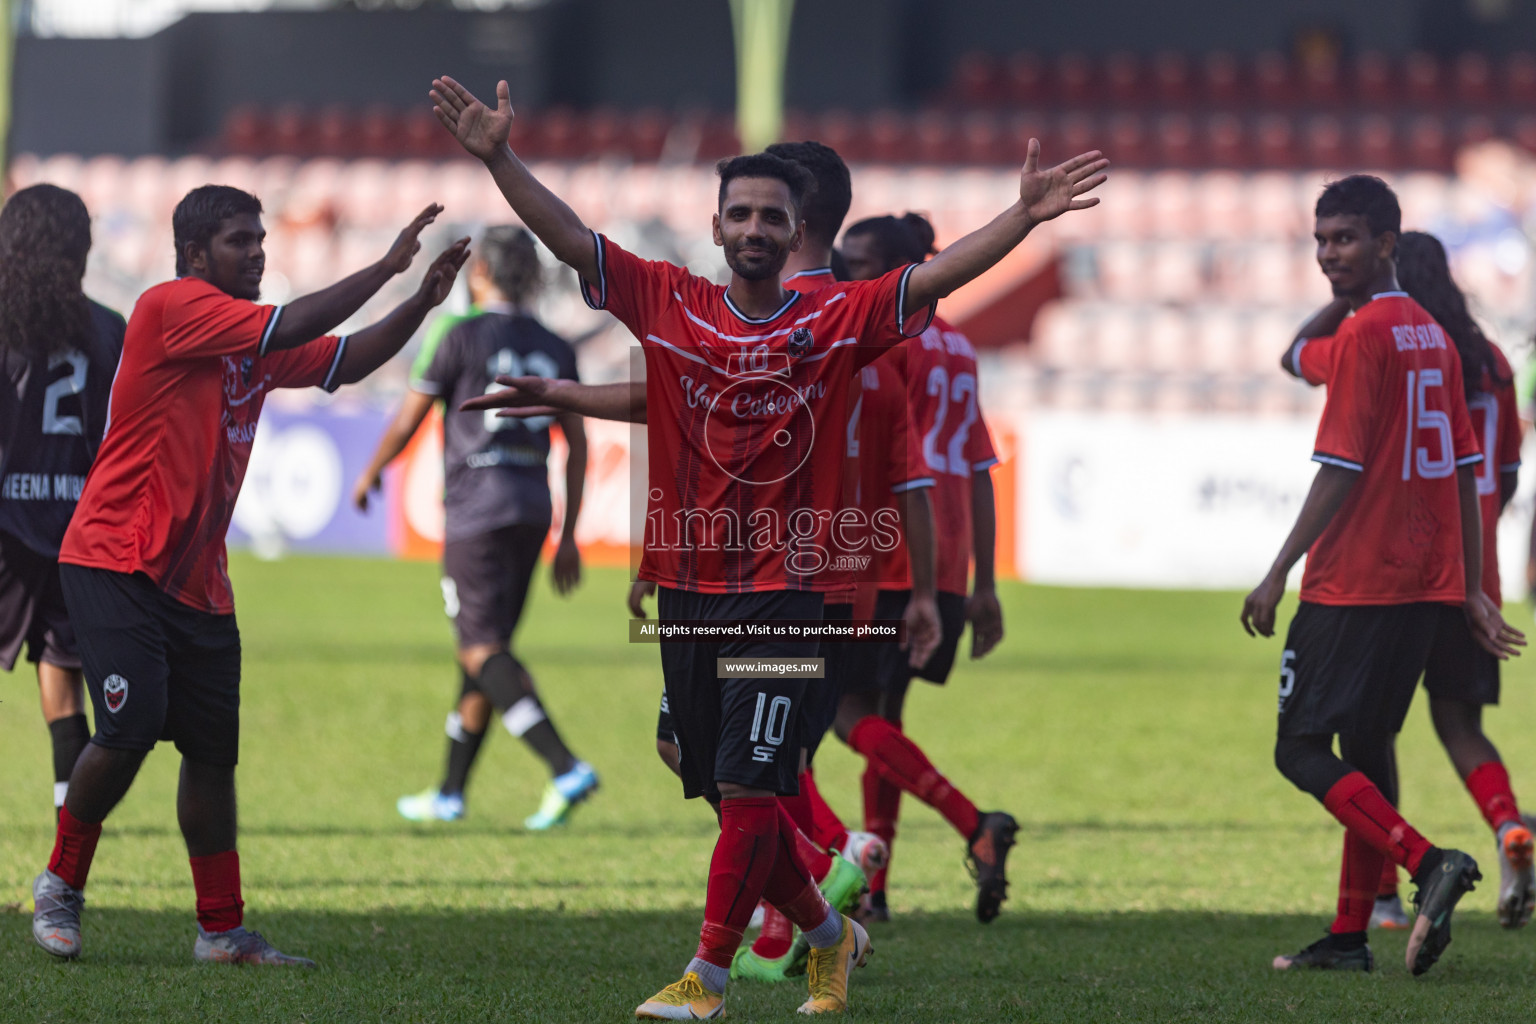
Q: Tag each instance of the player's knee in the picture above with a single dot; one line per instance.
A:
(501, 680)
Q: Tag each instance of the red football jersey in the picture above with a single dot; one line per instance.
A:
(1497, 423)
(746, 420)
(182, 417)
(954, 443)
(1397, 415)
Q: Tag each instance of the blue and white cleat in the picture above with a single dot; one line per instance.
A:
(431, 805)
(562, 794)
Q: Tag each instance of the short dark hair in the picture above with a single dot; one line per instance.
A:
(1363, 195)
(201, 211)
(901, 240)
(825, 207)
(765, 165)
(512, 260)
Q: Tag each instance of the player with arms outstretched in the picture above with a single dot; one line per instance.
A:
(754, 454)
(143, 565)
(498, 507)
(59, 351)
(1393, 538)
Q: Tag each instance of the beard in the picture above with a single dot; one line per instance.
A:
(756, 269)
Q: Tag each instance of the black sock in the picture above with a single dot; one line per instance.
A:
(1428, 865)
(70, 735)
(463, 748)
(502, 679)
(546, 742)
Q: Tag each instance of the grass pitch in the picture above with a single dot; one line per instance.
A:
(1162, 860)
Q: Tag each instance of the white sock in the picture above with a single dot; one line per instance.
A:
(713, 977)
(828, 932)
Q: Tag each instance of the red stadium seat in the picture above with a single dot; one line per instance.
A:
(933, 137)
(379, 132)
(719, 138)
(607, 134)
(1274, 83)
(1222, 78)
(1422, 79)
(1025, 82)
(1523, 131)
(248, 131)
(1376, 142)
(1226, 142)
(1428, 148)
(563, 134)
(292, 132)
(1321, 79)
(648, 134)
(1077, 133)
(1177, 145)
(1020, 128)
(1127, 141)
(1275, 144)
(889, 138)
(1375, 82)
(977, 79)
(1325, 146)
(1124, 83)
(1075, 80)
(1519, 74)
(845, 133)
(337, 133)
(1474, 130)
(1172, 80)
(981, 140)
(1473, 79)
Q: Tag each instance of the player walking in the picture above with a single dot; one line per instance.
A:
(720, 462)
(1392, 534)
(59, 350)
(143, 565)
(1462, 677)
(498, 508)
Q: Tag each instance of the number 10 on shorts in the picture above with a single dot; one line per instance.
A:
(770, 732)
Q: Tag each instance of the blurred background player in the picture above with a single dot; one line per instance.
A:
(1395, 449)
(143, 566)
(1460, 676)
(498, 509)
(941, 381)
(59, 350)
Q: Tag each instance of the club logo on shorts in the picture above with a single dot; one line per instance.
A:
(115, 691)
(800, 342)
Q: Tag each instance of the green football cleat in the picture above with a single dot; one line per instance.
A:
(752, 967)
(842, 887)
(562, 794)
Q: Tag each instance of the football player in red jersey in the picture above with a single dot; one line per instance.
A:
(1461, 677)
(941, 379)
(1392, 533)
(737, 379)
(58, 350)
(143, 566)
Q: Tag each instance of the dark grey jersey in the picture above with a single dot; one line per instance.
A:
(494, 469)
(52, 416)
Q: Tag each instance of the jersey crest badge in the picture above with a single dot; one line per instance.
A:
(246, 365)
(800, 342)
(114, 691)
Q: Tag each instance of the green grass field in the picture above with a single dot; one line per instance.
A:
(1162, 861)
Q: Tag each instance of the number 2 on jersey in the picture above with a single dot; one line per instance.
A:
(960, 390)
(64, 387)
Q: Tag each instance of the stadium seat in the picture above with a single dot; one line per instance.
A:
(1274, 142)
(1472, 80)
(1221, 211)
(981, 140)
(1428, 146)
(1168, 340)
(1126, 139)
(932, 138)
(1221, 78)
(1325, 145)
(337, 133)
(1376, 141)
(1075, 80)
(1227, 142)
(1171, 204)
(1025, 80)
(1177, 145)
(248, 130)
(1219, 340)
(976, 79)
(1176, 272)
(1423, 79)
(1172, 79)
(1375, 80)
(890, 140)
(1523, 131)
(379, 133)
(844, 132)
(1124, 80)
(1122, 270)
(648, 134)
(292, 132)
(1519, 74)
(1274, 83)
(1321, 76)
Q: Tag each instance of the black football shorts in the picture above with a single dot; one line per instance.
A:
(742, 731)
(1458, 668)
(819, 709)
(156, 669)
(32, 611)
(664, 730)
(1353, 668)
(883, 667)
(486, 579)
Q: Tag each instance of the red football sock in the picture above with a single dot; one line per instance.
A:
(799, 808)
(1388, 886)
(826, 827)
(744, 856)
(882, 801)
(776, 936)
(1356, 802)
(216, 878)
(74, 844)
(1489, 785)
(789, 886)
(816, 860)
(901, 761)
(1359, 878)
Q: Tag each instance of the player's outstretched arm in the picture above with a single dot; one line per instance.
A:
(371, 347)
(483, 134)
(982, 610)
(550, 396)
(1329, 489)
(397, 435)
(566, 569)
(922, 615)
(1488, 627)
(1324, 322)
(1043, 195)
(311, 316)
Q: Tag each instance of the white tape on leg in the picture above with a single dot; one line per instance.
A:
(523, 715)
(454, 727)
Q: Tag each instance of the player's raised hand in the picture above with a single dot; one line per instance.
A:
(408, 243)
(1496, 636)
(480, 130)
(1258, 616)
(566, 570)
(438, 281)
(1052, 192)
(521, 396)
(985, 615)
(923, 629)
(638, 592)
